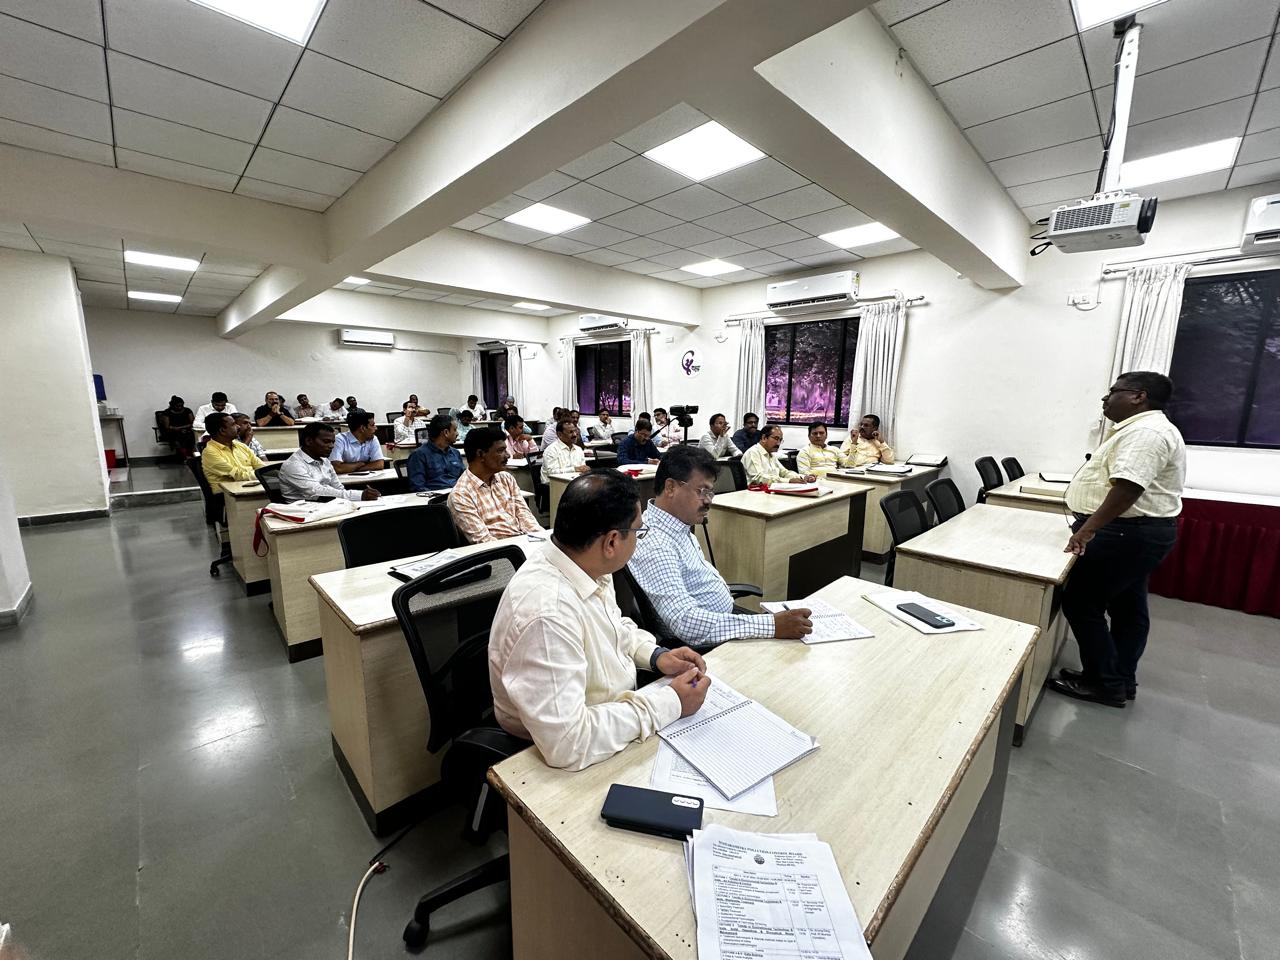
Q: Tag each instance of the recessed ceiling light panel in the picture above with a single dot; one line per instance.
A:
(525, 305)
(704, 151)
(548, 219)
(862, 236)
(1176, 164)
(158, 297)
(291, 19)
(712, 268)
(1091, 13)
(358, 281)
(159, 260)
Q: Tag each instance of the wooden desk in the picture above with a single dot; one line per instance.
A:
(520, 470)
(556, 482)
(788, 546)
(392, 452)
(907, 788)
(377, 712)
(1007, 562)
(877, 541)
(1031, 493)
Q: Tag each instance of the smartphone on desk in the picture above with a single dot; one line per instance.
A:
(926, 616)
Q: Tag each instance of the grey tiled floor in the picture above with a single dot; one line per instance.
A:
(167, 788)
(155, 476)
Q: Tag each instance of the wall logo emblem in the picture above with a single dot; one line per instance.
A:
(691, 363)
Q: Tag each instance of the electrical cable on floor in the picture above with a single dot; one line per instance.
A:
(377, 867)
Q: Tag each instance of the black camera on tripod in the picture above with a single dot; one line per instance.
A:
(681, 415)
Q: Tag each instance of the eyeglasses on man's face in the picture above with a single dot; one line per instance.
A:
(641, 532)
(1107, 396)
(702, 493)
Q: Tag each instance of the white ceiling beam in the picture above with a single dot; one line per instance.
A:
(343, 308)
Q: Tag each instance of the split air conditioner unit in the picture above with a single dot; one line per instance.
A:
(491, 344)
(1262, 226)
(382, 339)
(831, 291)
(600, 323)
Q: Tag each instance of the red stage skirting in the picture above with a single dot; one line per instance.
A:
(1227, 555)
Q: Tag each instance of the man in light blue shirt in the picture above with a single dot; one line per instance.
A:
(688, 593)
(358, 448)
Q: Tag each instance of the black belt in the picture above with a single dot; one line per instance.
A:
(1135, 521)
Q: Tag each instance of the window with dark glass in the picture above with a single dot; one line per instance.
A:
(809, 371)
(1226, 361)
(493, 369)
(604, 377)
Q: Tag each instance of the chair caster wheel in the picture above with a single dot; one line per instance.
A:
(415, 934)
(214, 571)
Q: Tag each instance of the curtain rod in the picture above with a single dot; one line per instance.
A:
(1123, 266)
(621, 332)
(736, 319)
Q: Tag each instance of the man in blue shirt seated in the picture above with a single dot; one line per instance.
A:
(358, 448)
(690, 597)
(638, 447)
(436, 465)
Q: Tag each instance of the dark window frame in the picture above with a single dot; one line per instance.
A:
(594, 351)
(489, 376)
(844, 357)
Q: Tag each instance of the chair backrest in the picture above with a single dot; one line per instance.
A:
(214, 503)
(1013, 468)
(789, 463)
(618, 437)
(541, 493)
(904, 512)
(988, 473)
(602, 463)
(269, 477)
(376, 536)
(633, 603)
(946, 499)
(738, 472)
(401, 468)
(422, 435)
(446, 626)
(442, 411)
(393, 416)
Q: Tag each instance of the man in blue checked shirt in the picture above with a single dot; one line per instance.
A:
(690, 596)
(358, 448)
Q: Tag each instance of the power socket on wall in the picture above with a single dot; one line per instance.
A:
(1080, 298)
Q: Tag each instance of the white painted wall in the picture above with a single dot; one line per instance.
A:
(45, 377)
(15, 581)
(145, 357)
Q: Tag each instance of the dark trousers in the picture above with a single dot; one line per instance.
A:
(1110, 580)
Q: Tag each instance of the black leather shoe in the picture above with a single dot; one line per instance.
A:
(1066, 673)
(1083, 690)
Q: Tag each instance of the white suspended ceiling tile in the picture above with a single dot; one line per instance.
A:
(1059, 188)
(474, 222)
(199, 41)
(94, 286)
(1248, 174)
(665, 126)
(1072, 118)
(53, 59)
(675, 275)
(80, 18)
(174, 170)
(230, 266)
(963, 35)
(19, 241)
(1039, 211)
(641, 220)
(416, 294)
(153, 306)
(291, 171)
(460, 299)
(512, 232)
(588, 201)
(677, 258)
(1271, 73)
(49, 141)
(1179, 30)
(338, 91)
(504, 207)
(756, 180)
(543, 187)
(1060, 161)
(54, 110)
(378, 290)
(1266, 111)
(645, 247)
(1258, 147)
(597, 161)
(290, 196)
(98, 272)
(598, 234)
(210, 280)
(798, 249)
(722, 247)
(837, 218)
(736, 220)
(685, 235)
(561, 244)
(891, 11)
(608, 258)
(192, 251)
(104, 295)
(896, 245)
(1205, 125)
(320, 139)
(1189, 186)
(798, 203)
(755, 258)
(692, 203)
(81, 251)
(640, 179)
(1029, 80)
(645, 267)
(703, 282)
(197, 310)
(828, 259)
(497, 16)
(163, 138)
(773, 236)
(402, 40)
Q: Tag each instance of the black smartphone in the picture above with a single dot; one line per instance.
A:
(926, 616)
(652, 811)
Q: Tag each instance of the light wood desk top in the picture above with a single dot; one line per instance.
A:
(647, 472)
(1033, 490)
(757, 503)
(1020, 543)
(899, 718)
(1043, 488)
(867, 476)
(283, 528)
(252, 488)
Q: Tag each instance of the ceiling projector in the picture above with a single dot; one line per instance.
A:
(1102, 222)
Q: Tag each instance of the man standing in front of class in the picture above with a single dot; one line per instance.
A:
(1126, 500)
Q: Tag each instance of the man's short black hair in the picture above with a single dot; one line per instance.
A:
(594, 504)
(439, 424)
(313, 430)
(218, 397)
(643, 425)
(815, 425)
(659, 410)
(713, 417)
(472, 397)
(643, 415)
(1156, 386)
(873, 418)
(213, 422)
(681, 463)
(239, 415)
(299, 396)
(604, 410)
(514, 420)
(466, 416)
(480, 440)
(767, 430)
(358, 419)
(750, 416)
(405, 406)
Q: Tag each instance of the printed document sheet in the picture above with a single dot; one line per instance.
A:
(828, 623)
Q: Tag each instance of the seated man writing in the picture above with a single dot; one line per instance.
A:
(761, 462)
(638, 447)
(358, 448)
(486, 502)
(563, 659)
(688, 593)
(435, 465)
(309, 475)
(225, 458)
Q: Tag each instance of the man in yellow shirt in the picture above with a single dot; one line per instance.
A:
(817, 458)
(865, 445)
(225, 458)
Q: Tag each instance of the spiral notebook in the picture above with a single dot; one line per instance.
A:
(735, 742)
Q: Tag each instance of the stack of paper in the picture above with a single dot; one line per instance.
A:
(308, 511)
(888, 601)
(896, 468)
(828, 622)
(411, 571)
(799, 489)
(770, 895)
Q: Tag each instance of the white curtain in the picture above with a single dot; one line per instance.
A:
(568, 373)
(876, 363)
(477, 379)
(515, 374)
(641, 372)
(750, 394)
(1149, 317)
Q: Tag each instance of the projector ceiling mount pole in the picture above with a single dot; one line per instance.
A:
(1126, 71)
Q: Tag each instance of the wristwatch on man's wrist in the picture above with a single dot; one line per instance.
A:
(653, 659)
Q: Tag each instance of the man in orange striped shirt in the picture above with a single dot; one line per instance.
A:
(486, 503)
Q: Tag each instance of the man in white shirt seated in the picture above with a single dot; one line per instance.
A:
(564, 456)
(761, 462)
(563, 659)
(665, 430)
(603, 430)
(309, 475)
(690, 597)
(408, 425)
(217, 404)
(549, 434)
(718, 443)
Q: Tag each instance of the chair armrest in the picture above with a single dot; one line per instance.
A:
(494, 742)
(744, 590)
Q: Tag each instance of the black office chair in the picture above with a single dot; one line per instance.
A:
(422, 435)
(401, 468)
(904, 512)
(445, 616)
(619, 437)
(1012, 468)
(989, 474)
(442, 411)
(215, 514)
(541, 492)
(394, 415)
(381, 535)
(633, 603)
(790, 463)
(946, 499)
(269, 477)
(739, 474)
(598, 463)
